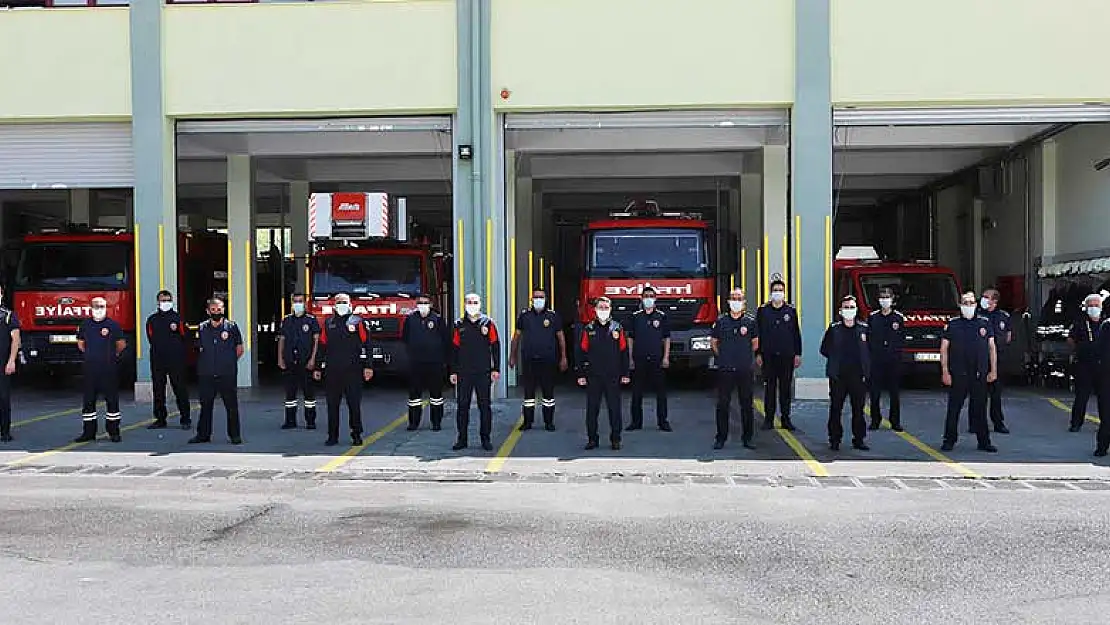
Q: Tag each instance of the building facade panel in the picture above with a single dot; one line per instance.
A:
(1083, 192)
(310, 58)
(968, 51)
(69, 63)
(629, 54)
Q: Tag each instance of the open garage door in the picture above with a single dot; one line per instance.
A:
(66, 155)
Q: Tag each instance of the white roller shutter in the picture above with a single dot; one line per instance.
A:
(66, 155)
(971, 115)
(342, 124)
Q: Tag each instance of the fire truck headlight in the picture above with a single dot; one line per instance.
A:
(701, 344)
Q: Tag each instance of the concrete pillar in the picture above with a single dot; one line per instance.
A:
(241, 279)
(1048, 195)
(750, 198)
(978, 211)
(811, 138)
(298, 229)
(462, 196)
(776, 189)
(154, 205)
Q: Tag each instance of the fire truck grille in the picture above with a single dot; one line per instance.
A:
(59, 321)
(923, 338)
(384, 327)
(680, 313)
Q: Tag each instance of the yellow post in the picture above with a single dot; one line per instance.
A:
(460, 252)
(786, 261)
(307, 282)
(250, 325)
(731, 283)
(489, 261)
(551, 286)
(798, 266)
(744, 270)
(531, 275)
(138, 293)
(512, 287)
(766, 268)
(161, 256)
(542, 274)
(828, 269)
(759, 276)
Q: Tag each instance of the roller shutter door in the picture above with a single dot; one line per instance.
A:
(66, 155)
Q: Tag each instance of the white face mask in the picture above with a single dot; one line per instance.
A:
(967, 311)
(735, 306)
(1094, 312)
(649, 302)
(602, 315)
(473, 309)
(423, 309)
(342, 308)
(886, 302)
(99, 313)
(165, 306)
(298, 308)
(538, 303)
(985, 303)
(848, 313)
(777, 296)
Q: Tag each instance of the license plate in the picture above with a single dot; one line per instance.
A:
(927, 357)
(63, 338)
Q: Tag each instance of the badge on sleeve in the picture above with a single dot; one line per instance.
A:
(894, 325)
(863, 337)
(224, 335)
(304, 328)
(103, 331)
(485, 330)
(786, 317)
(351, 327)
(547, 323)
(1001, 325)
(616, 334)
(982, 331)
(431, 325)
(173, 327)
(743, 330)
(655, 323)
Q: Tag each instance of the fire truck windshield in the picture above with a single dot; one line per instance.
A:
(647, 253)
(73, 265)
(366, 274)
(913, 291)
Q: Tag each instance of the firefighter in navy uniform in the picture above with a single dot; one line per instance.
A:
(101, 341)
(221, 347)
(735, 340)
(602, 368)
(968, 362)
(10, 343)
(298, 342)
(428, 340)
(1102, 354)
(1003, 334)
(848, 368)
(541, 344)
(887, 330)
(475, 366)
(650, 344)
(344, 357)
(165, 331)
(780, 353)
(1083, 338)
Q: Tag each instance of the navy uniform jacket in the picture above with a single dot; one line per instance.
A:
(887, 335)
(344, 344)
(8, 322)
(1085, 333)
(427, 338)
(166, 334)
(538, 342)
(968, 346)
(647, 333)
(218, 343)
(846, 349)
(734, 342)
(1102, 352)
(100, 342)
(1000, 323)
(298, 333)
(779, 333)
(603, 350)
(477, 346)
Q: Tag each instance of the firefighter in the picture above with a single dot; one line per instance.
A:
(848, 368)
(968, 362)
(344, 356)
(10, 343)
(1003, 334)
(602, 368)
(101, 341)
(165, 331)
(887, 331)
(735, 340)
(298, 343)
(1102, 353)
(650, 343)
(780, 353)
(475, 366)
(541, 345)
(221, 347)
(428, 339)
(1083, 338)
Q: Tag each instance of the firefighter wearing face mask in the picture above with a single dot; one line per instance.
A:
(735, 340)
(298, 343)
(475, 366)
(101, 341)
(539, 348)
(165, 331)
(10, 342)
(221, 347)
(344, 356)
(650, 344)
(428, 341)
(887, 329)
(1083, 338)
(780, 353)
(1003, 333)
(602, 368)
(1102, 384)
(968, 362)
(848, 368)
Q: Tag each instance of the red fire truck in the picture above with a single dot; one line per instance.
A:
(644, 246)
(361, 253)
(927, 294)
(60, 271)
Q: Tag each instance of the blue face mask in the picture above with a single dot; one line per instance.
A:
(298, 308)
(649, 302)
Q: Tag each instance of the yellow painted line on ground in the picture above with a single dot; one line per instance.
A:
(929, 451)
(350, 454)
(792, 441)
(506, 448)
(44, 417)
(1066, 408)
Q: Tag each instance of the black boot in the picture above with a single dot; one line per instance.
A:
(459, 444)
(310, 419)
(112, 425)
(88, 431)
(159, 424)
(487, 445)
(290, 418)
